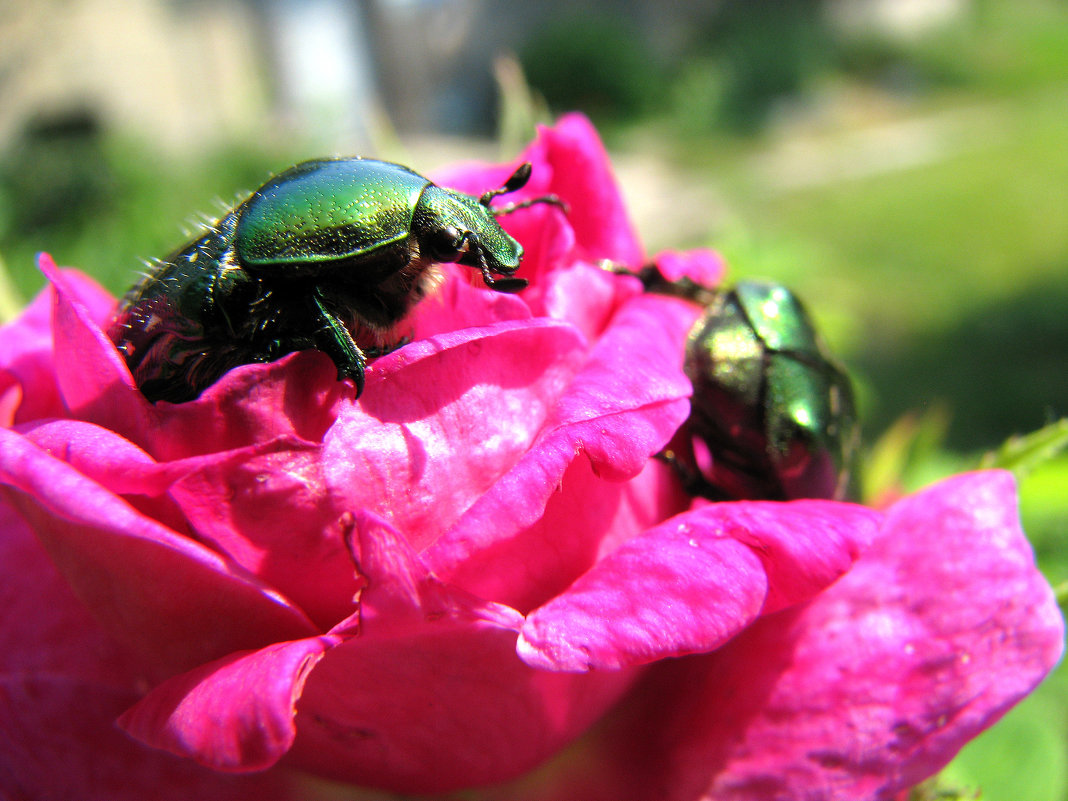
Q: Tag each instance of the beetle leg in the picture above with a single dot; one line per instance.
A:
(508, 284)
(551, 200)
(692, 481)
(334, 339)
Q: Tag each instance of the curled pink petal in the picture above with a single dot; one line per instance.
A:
(94, 380)
(619, 410)
(691, 584)
(209, 715)
(63, 682)
(866, 690)
(151, 587)
(28, 355)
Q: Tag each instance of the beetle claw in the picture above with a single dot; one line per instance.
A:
(509, 285)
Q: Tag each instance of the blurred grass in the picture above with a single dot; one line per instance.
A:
(108, 205)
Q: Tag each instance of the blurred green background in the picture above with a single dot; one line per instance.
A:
(902, 165)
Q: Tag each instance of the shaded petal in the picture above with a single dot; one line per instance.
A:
(150, 587)
(271, 511)
(701, 265)
(234, 714)
(431, 666)
(691, 584)
(59, 740)
(62, 684)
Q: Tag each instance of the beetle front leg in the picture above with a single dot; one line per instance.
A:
(334, 339)
(549, 200)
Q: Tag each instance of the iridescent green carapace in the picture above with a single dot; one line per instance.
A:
(330, 254)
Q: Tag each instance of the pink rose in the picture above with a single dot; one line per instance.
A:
(475, 576)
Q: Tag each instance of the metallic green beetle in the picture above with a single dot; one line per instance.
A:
(772, 410)
(330, 254)
(771, 404)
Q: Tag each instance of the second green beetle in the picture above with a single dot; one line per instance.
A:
(772, 414)
(770, 403)
(330, 254)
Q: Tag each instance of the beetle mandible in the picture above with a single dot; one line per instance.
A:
(330, 254)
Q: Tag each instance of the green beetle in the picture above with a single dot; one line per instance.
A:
(330, 254)
(772, 414)
(773, 407)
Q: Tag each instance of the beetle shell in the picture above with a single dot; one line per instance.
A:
(772, 406)
(325, 210)
(330, 255)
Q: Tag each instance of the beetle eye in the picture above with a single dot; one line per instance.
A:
(448, 244)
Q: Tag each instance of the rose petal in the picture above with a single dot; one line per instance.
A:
(568, 160)
(234, 714)
(62, 684)
(581, 175)
(434, 665)
(694, 582)
(702, 266)
(400, 591)
(94, 381)
(46, 629)
(146, 584)
(296, 398)
(865, 691)
(620, 410)
(585, 296)
(460, 304)
(442, 417)
(272, 513)
(27, 350)
(59, 741)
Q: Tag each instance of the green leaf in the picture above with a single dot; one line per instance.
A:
(912, 440)
(1022, 454)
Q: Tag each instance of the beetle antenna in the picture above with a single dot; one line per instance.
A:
(516, 182)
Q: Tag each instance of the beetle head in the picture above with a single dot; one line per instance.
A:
(454, 227)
